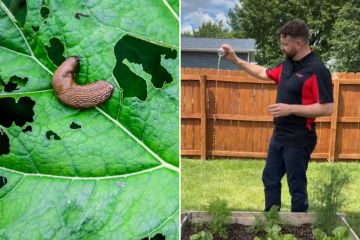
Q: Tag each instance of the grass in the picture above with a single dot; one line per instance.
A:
(239, 182)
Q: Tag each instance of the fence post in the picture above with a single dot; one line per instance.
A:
(203, 116)
(334, 119)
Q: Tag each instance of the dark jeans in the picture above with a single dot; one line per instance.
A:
(293, 161)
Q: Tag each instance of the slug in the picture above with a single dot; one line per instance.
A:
(78, 96)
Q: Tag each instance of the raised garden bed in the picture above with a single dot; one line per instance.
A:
(299, 224)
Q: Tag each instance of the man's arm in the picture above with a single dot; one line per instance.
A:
(252, 69)
(309, 111)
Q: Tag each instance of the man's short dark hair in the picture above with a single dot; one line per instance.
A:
(295, 29)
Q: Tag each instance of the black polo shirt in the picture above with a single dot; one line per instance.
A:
(302, 82)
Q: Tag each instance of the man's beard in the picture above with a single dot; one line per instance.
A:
(290, 55)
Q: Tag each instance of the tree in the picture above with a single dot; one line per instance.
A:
(261, 20)
(346, 38)
(213, 30)
(187, 34)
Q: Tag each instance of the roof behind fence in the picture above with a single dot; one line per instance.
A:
(212, 44)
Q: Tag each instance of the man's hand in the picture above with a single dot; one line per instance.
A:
(229, 53)
(309, 111)
(280, 109)
(252, 69)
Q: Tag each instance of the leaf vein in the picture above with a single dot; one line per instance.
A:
(84, 178)
(171, 9)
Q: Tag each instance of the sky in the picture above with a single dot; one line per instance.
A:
(195, 12)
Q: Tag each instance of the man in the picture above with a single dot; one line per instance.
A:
(304, 92)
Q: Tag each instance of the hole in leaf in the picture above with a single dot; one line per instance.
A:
(10, 87)
(44, 11)
(35, 28)
(77, 15)
(20, 112)
(145, 53)
(73, 125)
(55, 51)
(132, 84)
(4, 144)
(27, 129)
(21, 82)
(156, 237)
(18, 8)
(50, 135)
(3, 181)
(14, 82)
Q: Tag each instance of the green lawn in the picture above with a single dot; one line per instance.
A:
(239, 182)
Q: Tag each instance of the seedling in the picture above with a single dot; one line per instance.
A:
(201, 236)
(339, 233)
(220, 217)
(328, 199)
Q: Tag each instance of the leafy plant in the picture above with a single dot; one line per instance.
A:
(270, 224)
(258, 226)
(268, 220)
(197, 226)
(273, 233)
(203, 235)
(328, 198)
(220, 217)
(98, 173)
(272, 217)
(339, 233)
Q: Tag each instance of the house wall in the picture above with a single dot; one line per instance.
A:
(208, 60)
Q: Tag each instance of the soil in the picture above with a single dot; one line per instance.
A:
(241, 232)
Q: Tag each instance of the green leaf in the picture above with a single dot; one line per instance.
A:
(288, 237)
(110, 172)
(340, 233)
(156, 20)
(202, 236)
(319, 234)
(273, 231)
(11, 37)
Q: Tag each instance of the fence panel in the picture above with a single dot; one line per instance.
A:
(224, 114)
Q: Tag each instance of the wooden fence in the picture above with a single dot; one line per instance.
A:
(225, 114)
